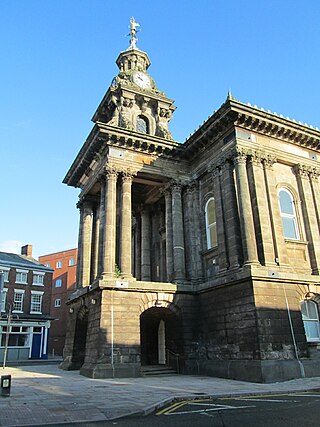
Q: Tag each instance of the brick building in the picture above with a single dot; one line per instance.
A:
(27, 295)
(63, 284)
(203, 255)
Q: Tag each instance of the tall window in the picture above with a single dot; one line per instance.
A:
(18, 300)
(211, 223)
(57, 302)
(59, 264)
(5, 271)
(142, 125)
(288, 214)
(36, 302)
(310, 317)
(4, 298)
(71, 262)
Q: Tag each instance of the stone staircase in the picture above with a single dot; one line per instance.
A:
(157, 370)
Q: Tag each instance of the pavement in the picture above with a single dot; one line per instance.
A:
(44, 394)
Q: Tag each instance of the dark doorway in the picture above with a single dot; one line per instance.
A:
(160, 336)
(80, 338)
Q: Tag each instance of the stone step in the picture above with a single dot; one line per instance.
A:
(155, 370)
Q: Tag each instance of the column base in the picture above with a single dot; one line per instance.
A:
(108, 370)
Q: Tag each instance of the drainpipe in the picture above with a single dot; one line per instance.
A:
(302, 372)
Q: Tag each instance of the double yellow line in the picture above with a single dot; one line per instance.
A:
(179, 405)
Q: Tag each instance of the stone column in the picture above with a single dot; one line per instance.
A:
(245, 209)
(314, 180)
(168, 226)
(232, 222)
(190, 234)
(109, 241)
(145, 246)
(95, 242)
(137, 246)
(177, 234)
(220, 221)
(85, 253)
(279, 244)
(309, 216)
(101, 224)
(80, 238)
(197, 233)
(126, 225)
(261, 212)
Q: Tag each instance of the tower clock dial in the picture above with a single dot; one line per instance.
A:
(141, 80)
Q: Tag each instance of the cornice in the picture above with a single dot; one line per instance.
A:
(103, 135)
(246, 116)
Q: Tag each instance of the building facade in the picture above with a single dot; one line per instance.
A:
(25, 309)
(203, 255)
(64, 266)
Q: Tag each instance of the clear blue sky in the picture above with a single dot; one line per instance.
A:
(58, 59)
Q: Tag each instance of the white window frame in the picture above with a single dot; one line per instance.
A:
(5, 271)
(210, 245)
(36, 293)
(23, 330)
(56, 283)
(25, 272)
(38, 274)
(292, 217)
(59, 264)
(4, 299)
(71, 262)
(57, 303)
(307, 320)
(18, 292)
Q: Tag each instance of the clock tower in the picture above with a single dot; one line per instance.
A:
(133, 100)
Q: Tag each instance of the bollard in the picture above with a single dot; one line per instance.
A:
(5, 385)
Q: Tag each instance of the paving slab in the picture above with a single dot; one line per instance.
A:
(44, 394)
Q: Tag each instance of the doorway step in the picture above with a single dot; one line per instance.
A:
(157, 370)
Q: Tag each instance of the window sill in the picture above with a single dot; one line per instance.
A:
(21, 283)
(17, 311)
(35, 312)
(296, 242)
(37, 284)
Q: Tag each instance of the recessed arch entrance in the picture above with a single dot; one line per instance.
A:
(160, 336)
(80, 338)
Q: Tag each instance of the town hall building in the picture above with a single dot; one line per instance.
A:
(204, 256)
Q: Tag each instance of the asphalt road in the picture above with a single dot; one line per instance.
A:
(281, 410)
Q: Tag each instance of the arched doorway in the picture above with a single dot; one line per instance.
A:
(80, 338)
(160, 334)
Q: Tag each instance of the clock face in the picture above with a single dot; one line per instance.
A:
(142, 80)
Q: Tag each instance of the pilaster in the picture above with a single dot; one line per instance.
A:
(309, 215)
(109, 241)
(177, 234)
(168, 226)
(245, 209)
(126, 225)
(145, 245)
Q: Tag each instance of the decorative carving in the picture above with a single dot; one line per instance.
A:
(314, 174)
(111, 171)
(269, 160)
(302, 170)
(163, 117)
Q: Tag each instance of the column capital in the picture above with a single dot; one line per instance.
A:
(239, 155)
(191, 187)
(87, 201)
(257, 157)
(269, 160)
(314, 174)
(302, 170)
(127, 175)
(111, 171)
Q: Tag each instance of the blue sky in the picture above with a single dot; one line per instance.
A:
(58, 59)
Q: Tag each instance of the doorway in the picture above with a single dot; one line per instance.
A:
(160, 334)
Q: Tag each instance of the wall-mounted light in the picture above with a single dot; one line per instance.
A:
(71, 310)
(93, 301)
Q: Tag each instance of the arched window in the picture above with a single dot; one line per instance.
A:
(211, 223)
(288, 214)
(142, 125)
(310, 317)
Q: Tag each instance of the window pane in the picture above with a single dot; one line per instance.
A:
(141, 125)
(213, 235)
(289, 228)
(286, 203)
(211, 212)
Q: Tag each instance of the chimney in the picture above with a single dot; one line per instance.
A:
(26, 250)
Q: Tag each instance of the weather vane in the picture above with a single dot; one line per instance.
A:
(133, 31)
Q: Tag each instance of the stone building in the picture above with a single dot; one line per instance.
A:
(203, 255)
(64, 264)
